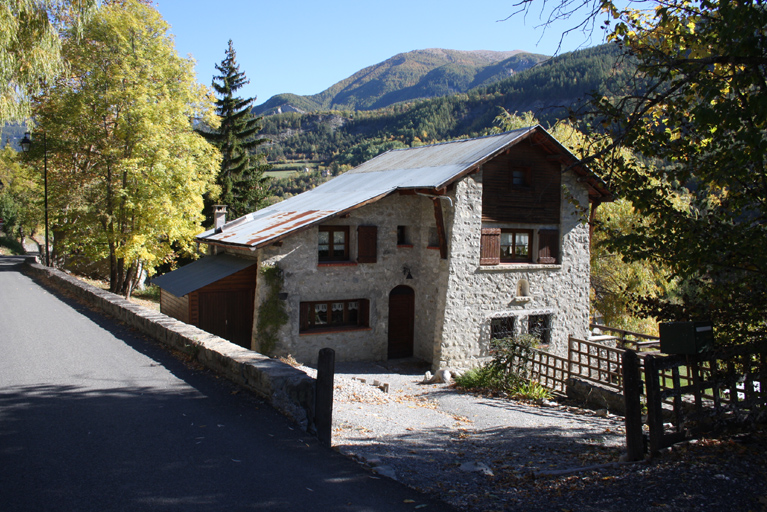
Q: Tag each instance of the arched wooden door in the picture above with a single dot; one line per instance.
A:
(401, 322)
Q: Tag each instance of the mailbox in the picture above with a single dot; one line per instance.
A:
(686, 337)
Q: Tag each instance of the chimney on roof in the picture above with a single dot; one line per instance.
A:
(219, 216)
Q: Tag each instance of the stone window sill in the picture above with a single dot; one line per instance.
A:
(515, 267)
(337, 264)
(333, 330)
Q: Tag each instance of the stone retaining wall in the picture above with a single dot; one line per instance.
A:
(288, 389)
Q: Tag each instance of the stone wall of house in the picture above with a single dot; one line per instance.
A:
(305, 280)
(477, 294)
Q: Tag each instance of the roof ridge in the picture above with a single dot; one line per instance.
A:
(469, 139)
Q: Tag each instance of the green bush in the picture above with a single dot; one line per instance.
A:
(14, 245)
(507, 371)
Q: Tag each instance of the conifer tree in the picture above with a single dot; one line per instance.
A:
(241, 176)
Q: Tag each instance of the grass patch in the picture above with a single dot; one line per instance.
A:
(150, 292)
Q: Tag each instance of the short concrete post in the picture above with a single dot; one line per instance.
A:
(632, 391)
(323, 404)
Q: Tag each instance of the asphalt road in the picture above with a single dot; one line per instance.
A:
(95, 417)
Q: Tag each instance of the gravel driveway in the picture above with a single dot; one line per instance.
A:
(494, 454)
(441, 441)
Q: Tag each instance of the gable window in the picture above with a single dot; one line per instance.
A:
(521, 177)
(334, 315)
(333, 243)
(501, 328)
(515, 245)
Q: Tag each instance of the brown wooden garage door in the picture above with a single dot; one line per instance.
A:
(225, 308)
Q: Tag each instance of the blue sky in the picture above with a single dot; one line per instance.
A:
(304, 47)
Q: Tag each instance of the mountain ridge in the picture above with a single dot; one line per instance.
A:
(408, 76)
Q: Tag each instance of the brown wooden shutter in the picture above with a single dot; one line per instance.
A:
(490, 246)
(367, 244)
(364, 313)
(548, 246)
(304, 316)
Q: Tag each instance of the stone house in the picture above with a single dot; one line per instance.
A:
(428, 252)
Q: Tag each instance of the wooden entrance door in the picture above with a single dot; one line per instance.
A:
(401, 322)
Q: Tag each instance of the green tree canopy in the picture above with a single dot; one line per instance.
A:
(30, 48)
(20, 197)
(241, 176)
(127, 171)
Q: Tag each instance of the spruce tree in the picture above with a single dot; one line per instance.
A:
(241, 177)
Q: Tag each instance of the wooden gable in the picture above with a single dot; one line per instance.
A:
(523, 185)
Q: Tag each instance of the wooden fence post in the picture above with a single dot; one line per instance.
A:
(323, 403)
(632, 391)
(654, 405)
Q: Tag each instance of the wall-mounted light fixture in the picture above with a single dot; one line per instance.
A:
(406, 273)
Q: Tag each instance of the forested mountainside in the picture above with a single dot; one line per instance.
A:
(331, 142)
(419, 74)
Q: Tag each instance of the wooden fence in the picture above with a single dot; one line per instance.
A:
(692, 393)
(586, 360)
(630, 340)
(595, 362)
(704, 392)
(550, 370)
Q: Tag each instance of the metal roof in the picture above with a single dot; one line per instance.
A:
(425, 167)
(201, 273)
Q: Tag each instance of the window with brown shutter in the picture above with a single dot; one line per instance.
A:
(334, 315)
(516, 245)
(490, 246)
(548, 246)
(367, 238)
(333, 243)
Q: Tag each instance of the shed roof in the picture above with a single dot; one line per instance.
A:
(430, 167)
(201, 273)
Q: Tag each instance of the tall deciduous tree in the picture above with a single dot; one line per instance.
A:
(699, 115)
(30, 48)
(241, 176)
(127, 170)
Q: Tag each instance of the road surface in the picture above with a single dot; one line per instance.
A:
(96, 417)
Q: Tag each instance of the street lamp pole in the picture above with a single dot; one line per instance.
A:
(45, 191)
(26, 142)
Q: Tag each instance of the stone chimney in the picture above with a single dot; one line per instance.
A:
(219, 216)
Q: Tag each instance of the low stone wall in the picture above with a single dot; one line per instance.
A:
(596, 396)
(288, 389)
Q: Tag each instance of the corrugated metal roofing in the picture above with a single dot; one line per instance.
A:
(201, 273)
(425, 167)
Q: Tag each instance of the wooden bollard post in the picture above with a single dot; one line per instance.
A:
(632, 391)
(323, 404)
